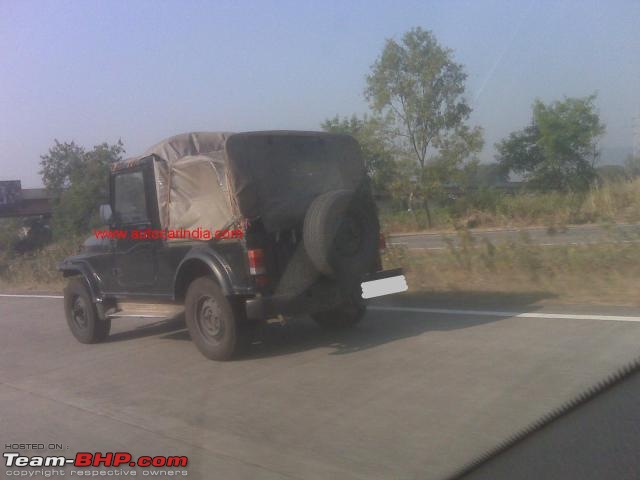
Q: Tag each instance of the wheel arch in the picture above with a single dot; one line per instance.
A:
(89, 277)
(199, 264)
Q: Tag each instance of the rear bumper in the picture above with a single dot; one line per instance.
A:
(382, 274)
(322, 296)
(317, 298)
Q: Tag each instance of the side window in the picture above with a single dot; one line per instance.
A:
(129, 201)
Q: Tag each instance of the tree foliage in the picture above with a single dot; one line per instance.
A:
(418, 86)
(452, 167)
(79, 180)
(417, 83)
(377, 146)
(559, 150)
(61, 162)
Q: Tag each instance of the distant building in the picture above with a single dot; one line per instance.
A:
(10, 192)
(16, 201)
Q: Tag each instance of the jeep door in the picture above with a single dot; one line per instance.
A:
(135, 258)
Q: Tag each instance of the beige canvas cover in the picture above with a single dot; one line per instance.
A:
(191, 184)
(212, 179)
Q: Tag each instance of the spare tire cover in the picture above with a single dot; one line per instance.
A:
(341, 233)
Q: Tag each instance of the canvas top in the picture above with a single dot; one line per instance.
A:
(211, 179)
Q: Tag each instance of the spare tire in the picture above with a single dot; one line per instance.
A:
(341, 233)
(299, 274)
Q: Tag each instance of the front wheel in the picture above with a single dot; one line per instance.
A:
(212, 320)
(81, 313)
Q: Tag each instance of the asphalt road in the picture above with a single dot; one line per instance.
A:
(416, 391)
(574, 235)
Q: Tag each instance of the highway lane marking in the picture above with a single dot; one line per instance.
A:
(489, 313)
(548, 244)
(29, 296)
(447, 311)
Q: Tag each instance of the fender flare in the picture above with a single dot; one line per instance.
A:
(214, 263)
(92, 280)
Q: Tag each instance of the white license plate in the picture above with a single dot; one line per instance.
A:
(384, 286)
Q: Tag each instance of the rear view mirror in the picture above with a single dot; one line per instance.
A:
(105, 214)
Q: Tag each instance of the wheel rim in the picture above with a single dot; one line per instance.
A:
(209, 319)
(79, 313)
(349, 236)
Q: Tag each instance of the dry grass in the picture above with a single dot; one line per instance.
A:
(36, 271)
(609, 203)
(596, 274)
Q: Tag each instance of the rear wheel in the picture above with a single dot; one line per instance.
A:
(214, 322)
(81, 313)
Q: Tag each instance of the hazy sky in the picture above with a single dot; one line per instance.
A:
(95, 71)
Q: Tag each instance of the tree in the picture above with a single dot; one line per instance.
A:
(451, 168)
(79, 179)
(559, 150)
(420, 88)
(456, 159)
(632, 166)
(62, 160)
(375, 142)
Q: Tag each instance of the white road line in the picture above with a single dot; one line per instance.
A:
(547, 244)
(29, 296)
(488, 313)
(446, 311)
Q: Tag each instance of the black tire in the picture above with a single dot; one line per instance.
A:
(341, 234)
(214, 322)
(342, 317)
(81, 313)
(299, 274)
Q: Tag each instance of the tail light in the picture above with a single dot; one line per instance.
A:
(382, 243)
(256, 261)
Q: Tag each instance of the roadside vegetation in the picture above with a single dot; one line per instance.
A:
(36, 270)
(604, 203)
(422, 156)
(30, 248)
(607, 273)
